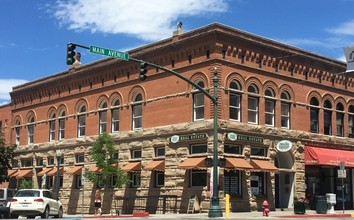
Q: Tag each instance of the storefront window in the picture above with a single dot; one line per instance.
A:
(258, 184)
(198, 177)
(232, 183)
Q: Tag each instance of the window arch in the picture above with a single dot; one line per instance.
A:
(252, 104)
(235, 101)
(137, 120)
(102, 117)
(340, 119)
(81, 121)
(327, 117)
(30, 129)
(314, 113)
(351, 121)
(61, 119)
(198, 103)
(115, 115)
(285, 110)
(269, 107)
(52, 118)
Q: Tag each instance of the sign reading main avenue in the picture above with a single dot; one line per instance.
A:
(177, 138)
(110, 53)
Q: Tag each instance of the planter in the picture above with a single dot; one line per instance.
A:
(299, 208)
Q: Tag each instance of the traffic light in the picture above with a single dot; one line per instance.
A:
(70, 53)
(143, 71)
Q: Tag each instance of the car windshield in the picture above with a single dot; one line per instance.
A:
(27, 193)
(2, 193)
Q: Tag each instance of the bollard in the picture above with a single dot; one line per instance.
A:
(227, 206)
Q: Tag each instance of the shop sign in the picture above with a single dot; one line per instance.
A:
(189, 137)
(342, 174)
(239, 137)
(284, 145)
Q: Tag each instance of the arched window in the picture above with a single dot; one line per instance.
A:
(340, 119)
(235, 101)
(61, 118)
(269, 107)
(115, 115)
(102, 117)
(198, 103)
(327, 117)
(314, 111)
(137, 120)
(52, 126)
(252, 104)
(285, 110)
(17, 132)
(81, 121)
(351, 121)
(30, 130)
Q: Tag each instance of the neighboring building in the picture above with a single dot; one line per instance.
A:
(277, 106)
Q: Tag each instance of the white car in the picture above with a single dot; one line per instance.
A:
(34, 202)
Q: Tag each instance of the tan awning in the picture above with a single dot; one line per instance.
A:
(263, 166)
(158, 165)
(4, 185)
(11, 173)
(53, 172)
(237, 164)
(95, 169)
(24, 174)
(44, 171)
(76, 170)
(132, 167)
(197, 163)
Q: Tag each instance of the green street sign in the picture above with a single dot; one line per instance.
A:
(110, 53)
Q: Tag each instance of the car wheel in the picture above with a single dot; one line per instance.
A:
(60, 213)
(30, 216)
(13, 216)
(45, 214)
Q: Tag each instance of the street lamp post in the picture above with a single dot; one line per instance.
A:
(58, 154)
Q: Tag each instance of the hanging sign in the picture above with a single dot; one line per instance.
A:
(284, 145)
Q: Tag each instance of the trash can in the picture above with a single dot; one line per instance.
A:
(321, 204)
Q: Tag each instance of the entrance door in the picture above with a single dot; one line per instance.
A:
(284, 181)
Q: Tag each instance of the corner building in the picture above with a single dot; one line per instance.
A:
(285, 122)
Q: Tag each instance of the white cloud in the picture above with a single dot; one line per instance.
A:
(346, 28)
(6, 87)
(147, 20)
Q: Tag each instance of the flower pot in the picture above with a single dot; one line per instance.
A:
(299, 208)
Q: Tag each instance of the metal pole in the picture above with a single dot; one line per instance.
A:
(343, 192)
(215, 210)
(57, 179)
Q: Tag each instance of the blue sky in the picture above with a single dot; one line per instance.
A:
(34, 33)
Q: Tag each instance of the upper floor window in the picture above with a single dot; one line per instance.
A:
(269, 107)
(81, 124)
(252, 104)
(198, 103)
(327, 117)
(52, 126)
(30, 130)
(198, 149)
(61, 133)
(235, 101)
(17, 132)
(103, 118)
(258, 151)
(27, 162)
(137, 112)
(351, 121)
(160, 152)
(232, 149)
(136, 154)
(50, 161)
(39, 162)
(285, 110)
(340, 119)
(314, 111)
(115, 116)
(79, 158)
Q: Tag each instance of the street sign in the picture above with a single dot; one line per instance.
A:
(342, 174)
(110, 53)
(341, 166)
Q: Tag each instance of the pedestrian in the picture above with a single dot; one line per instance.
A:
(98, 202)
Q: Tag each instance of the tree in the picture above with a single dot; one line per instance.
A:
(26, 184)
(104, 154)
(6, 154)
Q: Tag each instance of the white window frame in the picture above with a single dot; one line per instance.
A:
(137, 112)
(115, 120)
(270, 113)
(30, 130)
(52, 129)
(27, 163)
(235, 107)
(134, 156)
(198, 106)
(61, 133)
(160, 152)
(79, 158)
(50, 161)
(285, 115)
(81, 121)
(253, 110)
(102, 121)
(17, 133)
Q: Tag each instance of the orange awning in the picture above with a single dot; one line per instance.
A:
(132, 167)
(158, 165)
(95, 169)
(4, 185)
(11, 173)
(237, 164)
(197, 163)
(53, 172)
(24, 174)
(44, 171)
(76, 170)
(329, 157)
(263, 166)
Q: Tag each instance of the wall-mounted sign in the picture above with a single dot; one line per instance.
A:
(284, 145)
(240, 137)
(189, 137)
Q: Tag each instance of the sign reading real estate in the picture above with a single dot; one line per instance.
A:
(240, 137)
(189, 137)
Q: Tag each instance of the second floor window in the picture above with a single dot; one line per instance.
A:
(235, 101)
(61, 125)
(351, 121)
(258, 151)
(115, 116)
(81, 125)
(198, 104)
(17, 133)
(340, 119)
(30, 130)
(79, 158)
(327, 114)
(269, 107)
(137, 112)
(136, 154)
(285, 110)
(198, 149)
(314, 111)
(252, 105)
(103, 118)
(52, 127)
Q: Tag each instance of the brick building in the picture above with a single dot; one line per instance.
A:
(283, 115)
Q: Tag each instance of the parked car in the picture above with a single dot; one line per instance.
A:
(34, 202)
(6, 195)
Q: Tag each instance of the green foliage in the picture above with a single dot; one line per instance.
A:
(26, 184)
(6, 154)
(104, 154)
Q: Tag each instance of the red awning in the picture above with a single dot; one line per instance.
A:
(330, 157)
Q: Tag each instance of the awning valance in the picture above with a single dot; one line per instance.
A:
(24, 174)
(263, 166)
(44, 171)
(197, 163)
(158, 165)
(329, 157)
(95, 169)
(132, 167)
(237, 164)
(53, 172)
(76, 170)
(11, 173)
